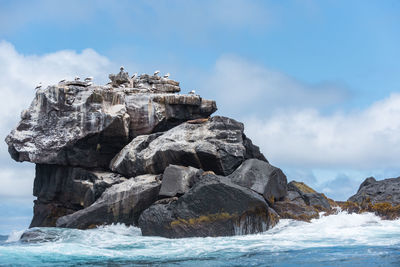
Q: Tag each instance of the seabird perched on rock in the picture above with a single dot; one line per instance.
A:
(192, 92)
(121, 68)
(156, 72)
(166, 75)
(134, 75)
(88, 79)
(62, 81)
(38, 86)
(89, 83)
(77, 78)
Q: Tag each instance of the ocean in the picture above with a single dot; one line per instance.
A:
(336, 240)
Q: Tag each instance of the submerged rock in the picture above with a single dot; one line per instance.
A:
(261, 177)
(121, 203)
(212, 207)
(217, 145)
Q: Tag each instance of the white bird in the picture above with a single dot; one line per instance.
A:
(134, 75)
(192, 92)
(77, 78)
(38, 86)
(88, 79)
(121, 68)
(62, 81)
(156, 72)
(89, 83)
(166, 75)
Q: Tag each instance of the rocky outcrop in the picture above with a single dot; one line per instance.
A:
(217, 145)
(302, 203)
(77, 124)
(61, 190)
(261, 177)
(380, 197)
(212, 207)
(121, 203)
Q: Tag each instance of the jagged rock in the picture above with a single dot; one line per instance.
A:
(262, 178)
(177, 180)
(62, 190)
(121, 78)
(87, 126)
(302, 203)
(373, 191)
(217, 145)
(213, 207)
(121, 203)
(309, 195)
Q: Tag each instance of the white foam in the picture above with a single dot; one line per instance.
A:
(14, 236)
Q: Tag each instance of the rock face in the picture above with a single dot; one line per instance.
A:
(262, 178)
(177, 180)
(302, 203)
(213, 207)
(121, 203)
(62, 190)
(373, 191)
(217, 145)
(73, 124)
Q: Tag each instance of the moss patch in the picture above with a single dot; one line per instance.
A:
(303, 187)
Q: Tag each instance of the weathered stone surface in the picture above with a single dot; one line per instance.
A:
(309, 195)
(262, 178)
(373, 191)
(217, 145)
(302, 203)
(213, 207)
(61, 190)
(121, 203)
(87, 126)
(177, 180)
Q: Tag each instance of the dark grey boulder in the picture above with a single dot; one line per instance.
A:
(261, 177)
(177, 180)
(61, 190)
(121, 203)
(309, 195)
(387, 190)
(217, 145)
(212, 207)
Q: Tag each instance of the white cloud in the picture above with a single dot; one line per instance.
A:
(19, 75)
(362, 139)
(241, 86)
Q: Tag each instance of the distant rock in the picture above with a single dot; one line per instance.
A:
(217, 145)
(261, 177)
(212, 207)
(373, 191)
(121, 203)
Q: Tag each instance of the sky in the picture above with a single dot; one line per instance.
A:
(316, 83)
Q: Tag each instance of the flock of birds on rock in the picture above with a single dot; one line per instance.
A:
(89, 80)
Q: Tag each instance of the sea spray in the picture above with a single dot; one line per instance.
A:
(348, 239)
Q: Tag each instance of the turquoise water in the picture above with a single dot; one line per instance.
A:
(338, 240)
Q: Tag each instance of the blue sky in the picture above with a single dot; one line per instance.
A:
(316, 83)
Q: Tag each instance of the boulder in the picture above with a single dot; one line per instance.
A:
(177, 180)
(121, 203)
(261, 177)
(61, 190)
(86, 126)
(212, 207)
(302, 203)
(217, 145)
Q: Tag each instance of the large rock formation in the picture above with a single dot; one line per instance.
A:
(217, 145)
(213, 207)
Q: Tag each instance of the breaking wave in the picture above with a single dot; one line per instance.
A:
(336, 240)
